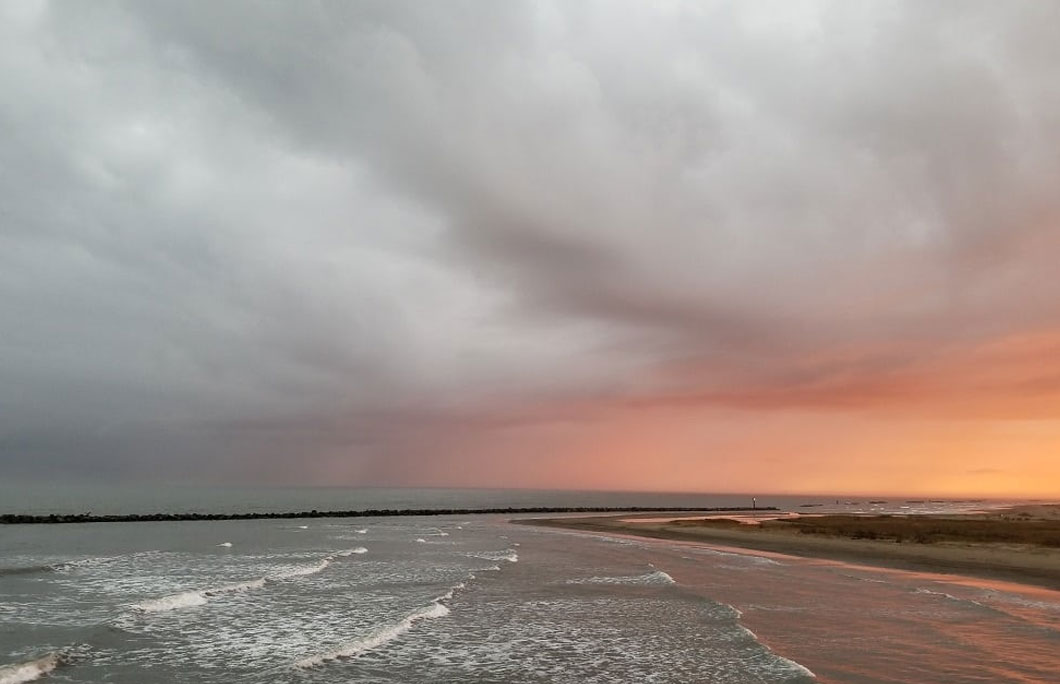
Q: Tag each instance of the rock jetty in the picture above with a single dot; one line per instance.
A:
(55, 518)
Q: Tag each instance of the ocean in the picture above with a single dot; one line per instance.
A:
(477, 599)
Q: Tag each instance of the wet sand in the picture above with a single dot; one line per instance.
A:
(1012, 561)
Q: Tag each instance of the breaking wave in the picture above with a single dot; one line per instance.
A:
(958, 599)
(350, 552)
(653, 577)
(785, 666)
(509, 555)
(383, 634)
(29, 671)
(304, 570)
(198, 597)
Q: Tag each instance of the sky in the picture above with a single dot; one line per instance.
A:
(687, 246)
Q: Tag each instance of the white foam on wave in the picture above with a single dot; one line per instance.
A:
(304, 570)
(509, 555)
(951, 597)
(226, 544)
(1005, 597)
(653, 577)
(421, 540)
(198, 597)
(361, 531)
(29, 671)
(449, 594)
(238, 586)
(749, 557)
(381, 635)
(187, 599)
(660, 576)
(350, 552)
(786, 664)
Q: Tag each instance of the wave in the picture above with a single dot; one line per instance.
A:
(198, 597)
(421, 540)
(785, 665)
(1049, 606)
(304, 570)
(382, 635)
(653, 577)
(958, 599)
(28, 569)
(449, 594)
(509, 555)
(361, 531)
(29, 671)
(63, 566)
(748, 556)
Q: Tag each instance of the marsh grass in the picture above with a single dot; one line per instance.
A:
(926, 530)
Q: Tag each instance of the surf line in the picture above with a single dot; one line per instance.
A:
(382, 635)
(198, 597)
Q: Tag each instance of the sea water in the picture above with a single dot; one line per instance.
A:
(478, 599)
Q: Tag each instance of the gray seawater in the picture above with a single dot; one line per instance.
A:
(478, 599)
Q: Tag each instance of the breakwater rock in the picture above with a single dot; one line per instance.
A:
(52, 519)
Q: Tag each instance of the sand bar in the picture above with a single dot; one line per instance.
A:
(1025, 554)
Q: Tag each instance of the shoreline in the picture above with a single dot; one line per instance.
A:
(61, 519)
(1036, 566)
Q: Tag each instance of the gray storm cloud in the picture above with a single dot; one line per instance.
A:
(288, 233)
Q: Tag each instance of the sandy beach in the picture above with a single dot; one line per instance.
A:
(1022, 542)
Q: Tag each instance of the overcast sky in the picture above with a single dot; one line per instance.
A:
(795, 246)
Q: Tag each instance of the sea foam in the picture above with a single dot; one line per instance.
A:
(187, 599)
(653, 577)
(29, 671)
(198, 597)
(381, 635)
(304, 570)
(510, 555)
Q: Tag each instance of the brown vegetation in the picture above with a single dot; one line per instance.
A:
(926, 530)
